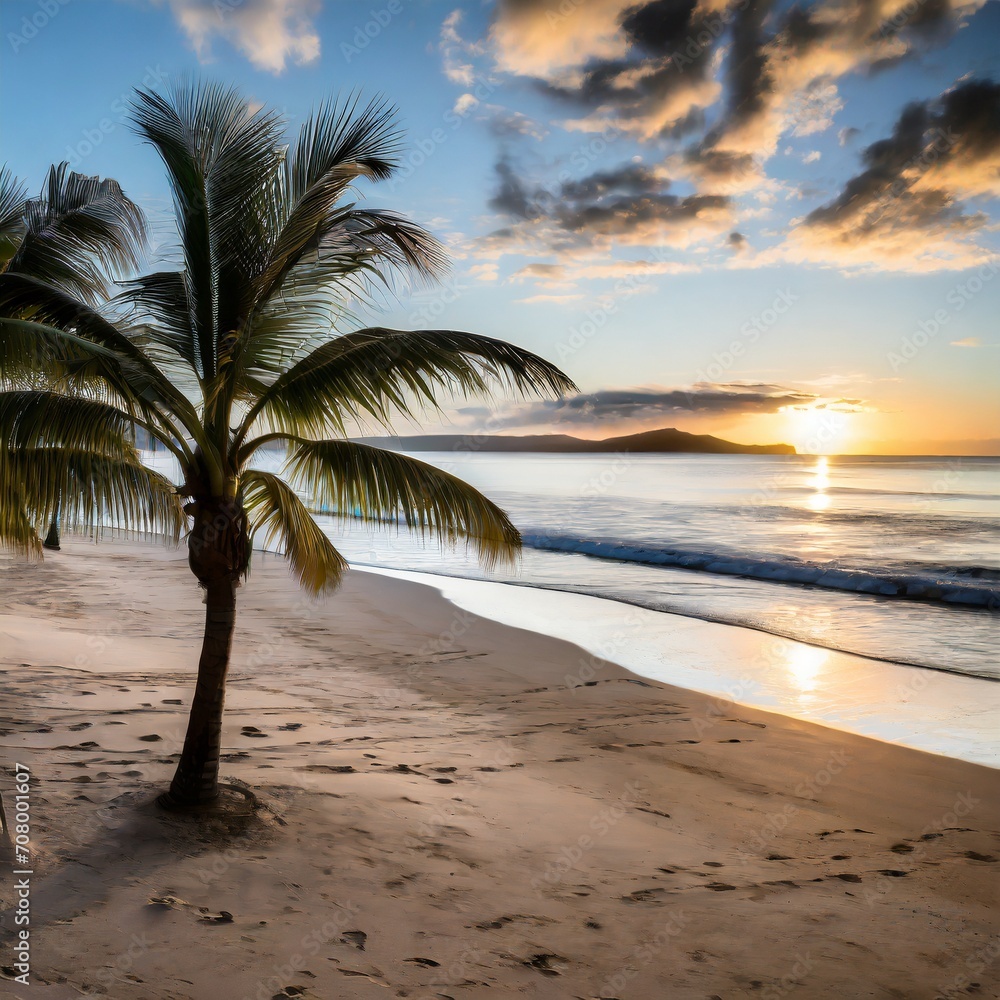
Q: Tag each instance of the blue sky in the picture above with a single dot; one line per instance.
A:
(672, 200)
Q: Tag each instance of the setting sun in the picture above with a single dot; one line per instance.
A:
(820, 430)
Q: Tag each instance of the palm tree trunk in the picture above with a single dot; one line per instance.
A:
(52, 538)
(196, 781)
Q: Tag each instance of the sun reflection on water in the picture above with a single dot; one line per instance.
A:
(820, 482)
(804, 665)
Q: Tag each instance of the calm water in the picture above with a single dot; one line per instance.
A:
(894, 558)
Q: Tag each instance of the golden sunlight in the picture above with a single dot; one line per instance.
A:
(820, 481)
(818, 430)
(804, 666)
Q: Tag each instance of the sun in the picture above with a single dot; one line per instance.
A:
(820, 430)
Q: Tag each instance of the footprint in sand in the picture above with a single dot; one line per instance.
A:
(355, 938)
(645, 896)
(543, 963)
(375, 976)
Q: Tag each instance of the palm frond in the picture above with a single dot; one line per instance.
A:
(17, 532)
(278, 517)
(80, 234)
(375, 371)
(68, 337)
(12, 199)
(219, 157)
(387, 241)
(91, 492)
(44, 418)
(161, 317)
(356, 480)
(336, 145)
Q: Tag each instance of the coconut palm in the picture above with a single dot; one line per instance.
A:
(79, 234)
(239, 347)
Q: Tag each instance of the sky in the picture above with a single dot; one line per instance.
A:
(763, 220)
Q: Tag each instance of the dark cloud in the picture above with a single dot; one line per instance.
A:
(512, 196)
(914, 182)
(638, 215)
(633, 179)
(661, 27)
(649, 405)
(748, 76)
(631, 202)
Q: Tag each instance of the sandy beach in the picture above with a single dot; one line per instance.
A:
(443, 817)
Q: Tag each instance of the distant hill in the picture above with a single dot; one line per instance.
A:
(667, 440)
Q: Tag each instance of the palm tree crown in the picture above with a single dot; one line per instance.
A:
(238, 347)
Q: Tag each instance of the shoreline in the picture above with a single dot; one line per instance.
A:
(436, 794)
(923, 708)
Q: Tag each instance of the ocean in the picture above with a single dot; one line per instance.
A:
(890, 558)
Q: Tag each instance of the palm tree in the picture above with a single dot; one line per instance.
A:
(240, 347)
(79, 234)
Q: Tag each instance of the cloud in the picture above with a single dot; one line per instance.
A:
(649, 406)
(906, 209)
(484, 272)
(507, 124)
(708, 91)
(268, 32)
(797, 56)
(544, 297)
(566, 274)
(653, 68)
(512, 196)
(456, 51)
(967, 342)
(540, 38)
(629, 205)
